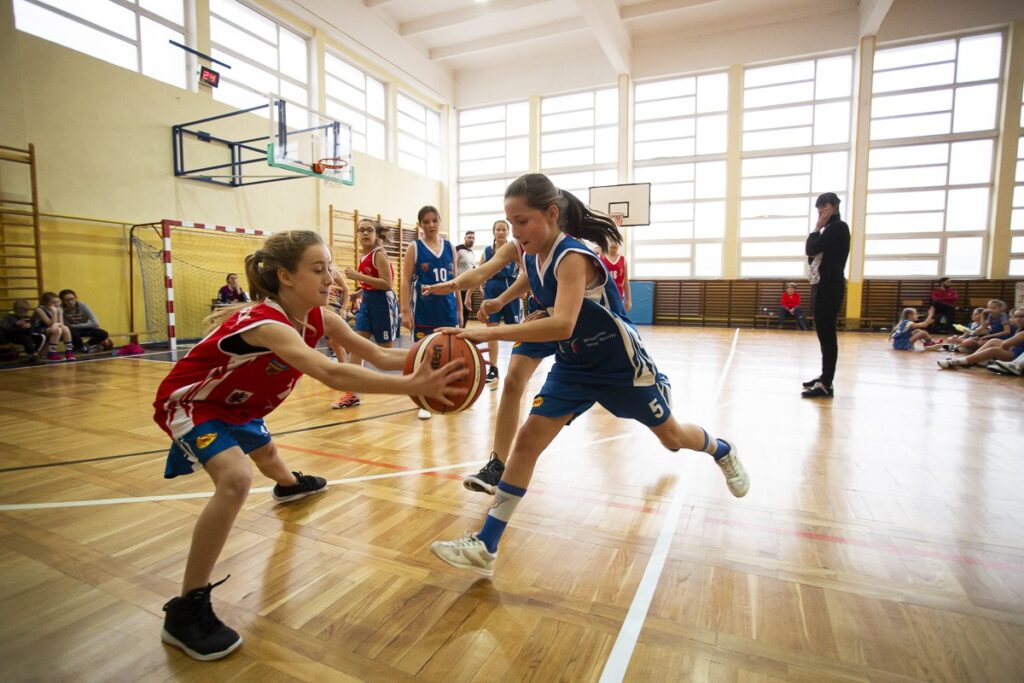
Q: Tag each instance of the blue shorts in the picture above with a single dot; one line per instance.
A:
(378, 315)
(512, 313)
(649, 406)
(206, 440)
(535, 349)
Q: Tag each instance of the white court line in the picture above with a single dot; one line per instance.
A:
(625, 643)
(208, 494)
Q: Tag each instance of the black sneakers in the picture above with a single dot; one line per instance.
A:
(486, 480)
(811, 382)
(817, 390)
(492, 377)
(191, 625)
(307, 486)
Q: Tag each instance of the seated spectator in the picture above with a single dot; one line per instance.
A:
(996, 325)
(231, 293)
(995, 349)
(1008, 367)
(85, 328)
(944, 299)
(969, 332)
(908, 331)
(17, 327)
(789, 305)
(49, 319)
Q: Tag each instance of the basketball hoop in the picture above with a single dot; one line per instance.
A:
(336, 165)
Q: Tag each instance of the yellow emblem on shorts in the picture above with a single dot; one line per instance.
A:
(206, 439)
(517, 345)
(538, 401)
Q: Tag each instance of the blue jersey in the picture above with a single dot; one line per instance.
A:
(901, 336)
(604, 347)
(508, 273)
(432, 269)
(997, 323)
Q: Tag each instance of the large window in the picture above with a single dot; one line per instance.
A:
(680, 140)
(129, 34)
(933, 131)
(265, 57)
(1017, 217)
(357, 99)
(493, 150)
(419, 137)
(796, 145)
(579, 143)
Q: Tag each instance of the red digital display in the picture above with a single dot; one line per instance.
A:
(209, 77)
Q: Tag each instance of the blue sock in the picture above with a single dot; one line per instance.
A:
(716, 448)
(506, 498)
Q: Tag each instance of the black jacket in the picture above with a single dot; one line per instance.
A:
(833, 243)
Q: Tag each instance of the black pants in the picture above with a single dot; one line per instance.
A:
(943, 311)
(30, 341)
(94, 335)
(828, 297)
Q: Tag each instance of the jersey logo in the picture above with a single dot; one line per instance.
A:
(238, 396)
(424, 267)
(538, 401)
(206, 439)
(275, 366)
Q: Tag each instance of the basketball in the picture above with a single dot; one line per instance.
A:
(318, 167)
(439, 349)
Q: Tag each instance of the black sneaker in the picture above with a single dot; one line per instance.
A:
(817, 390)
(492, 377)
(307, 486)
(486, 480)
(811, 382)
(191, 625)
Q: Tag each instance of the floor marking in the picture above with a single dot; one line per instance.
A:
(622, 652)
(209, 494)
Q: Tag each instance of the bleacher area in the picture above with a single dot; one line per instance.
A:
(750, 303)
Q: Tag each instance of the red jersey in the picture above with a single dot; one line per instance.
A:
(214, 383)
(368, 267)
(618, 272)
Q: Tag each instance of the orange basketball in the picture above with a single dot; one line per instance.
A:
(318, 168)
(439, 349)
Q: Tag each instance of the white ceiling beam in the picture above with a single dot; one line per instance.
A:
(872, 14)
(604, 20)
(505, 40)
(646, 9)
(443, 20)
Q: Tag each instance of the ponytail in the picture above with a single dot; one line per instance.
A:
(574, 217)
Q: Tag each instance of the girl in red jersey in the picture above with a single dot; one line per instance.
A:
(213, 401)
(377, 317)
(616, 265)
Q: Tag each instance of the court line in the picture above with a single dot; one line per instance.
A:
(164, 450)
(622, 651)
(208, 494)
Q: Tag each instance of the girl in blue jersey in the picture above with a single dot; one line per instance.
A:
(994, 349)
(428, 261)
(907, 331)
(600, 358)
(495, 286)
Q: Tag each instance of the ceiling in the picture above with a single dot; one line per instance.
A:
(467, 35)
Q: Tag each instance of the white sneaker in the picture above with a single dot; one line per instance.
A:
(735, 476)
(424, 414)
(951, 363)
(469, 552)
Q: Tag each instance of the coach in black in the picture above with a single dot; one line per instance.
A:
(827, 248)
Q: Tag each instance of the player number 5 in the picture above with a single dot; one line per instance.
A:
(656, 408)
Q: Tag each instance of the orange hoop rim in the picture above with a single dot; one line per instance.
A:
(333, 163)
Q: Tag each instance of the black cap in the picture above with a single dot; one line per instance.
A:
(826, 198)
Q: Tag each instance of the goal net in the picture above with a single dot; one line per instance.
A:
(181, 267)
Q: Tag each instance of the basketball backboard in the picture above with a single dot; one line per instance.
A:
(632, 200)
(305, 141)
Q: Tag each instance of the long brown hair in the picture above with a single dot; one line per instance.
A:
(574, 217)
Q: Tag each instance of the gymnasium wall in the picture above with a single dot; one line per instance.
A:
(103, 143)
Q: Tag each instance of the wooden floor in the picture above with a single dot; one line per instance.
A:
(882, 539)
